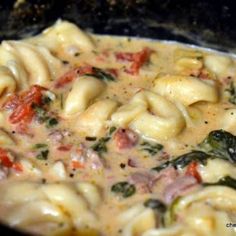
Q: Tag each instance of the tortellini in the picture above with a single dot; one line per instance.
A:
(220, 197)
(228, 121)
(58, 171)
(21, 57)
(35, 203)
(209, 174)
(71, 202)
(137, 220)
(186, 89)
(84, 90)
(203, 213)
(151, 115)
(220, 65)
(204, 222)
(188, 62)
(7, 81)
(66, 35)
(93, 121)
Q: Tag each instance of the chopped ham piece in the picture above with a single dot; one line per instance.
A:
(168, 175)
(57, 136)
(132, 163)
(87, 158)
(143, 181)
(180, 185)
(94, 160)
(125, 138)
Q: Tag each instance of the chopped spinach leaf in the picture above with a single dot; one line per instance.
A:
(151, 148)
(41, 114)
(221, 144)
(183, 160)
(232, 92)
(124, 189)
(218, 144)
(90, 138)
(51, 122)
(155, 204)
(225, 181)
(40, 145)
(43, 117)
(100, 145)
(61, 101)
(43, 155)
(101, 74)
(46, 100)
(112, 130)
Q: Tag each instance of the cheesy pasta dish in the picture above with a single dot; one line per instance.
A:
(116, 136)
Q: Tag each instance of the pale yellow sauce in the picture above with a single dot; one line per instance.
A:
(122, 90)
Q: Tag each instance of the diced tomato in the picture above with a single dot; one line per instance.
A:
(192, 171)
(138, 59)
(21, 105)
(77, 165)
(124, 56)
(12, 102)
(17, 166)
(5, 159)
(113, 71)
(23, 112)
(7, 162)
(72, 74)
(64, 148)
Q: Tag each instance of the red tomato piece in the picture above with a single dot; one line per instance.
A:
(64, 148)
(72, 74)
(77, 165)
(17, 166)
(192, 171)
(21, 105)
(138, 59)
(4, 158)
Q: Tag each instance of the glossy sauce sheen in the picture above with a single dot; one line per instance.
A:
(120, 163)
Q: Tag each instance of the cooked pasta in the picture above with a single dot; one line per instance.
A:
(187, 90)
(66, 35)
(83, 92)
(21, 59)
(188, 62)
(104, 135)
(94, 120)
(161, 119)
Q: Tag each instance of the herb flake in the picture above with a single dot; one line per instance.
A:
(101, 74)
(43, 155)
(225, 181)
(124, 189)
(151, 148)
(232, 92)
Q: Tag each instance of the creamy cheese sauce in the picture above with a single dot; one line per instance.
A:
(64, 142)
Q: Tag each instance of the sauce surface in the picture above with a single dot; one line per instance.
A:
(86, 122)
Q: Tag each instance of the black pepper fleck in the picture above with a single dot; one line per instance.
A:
(65, 62)
(71, 175)
(122, 165)
(76, 54)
